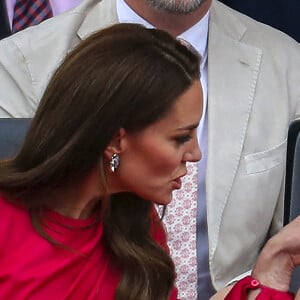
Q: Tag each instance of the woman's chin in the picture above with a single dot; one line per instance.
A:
(164, 201)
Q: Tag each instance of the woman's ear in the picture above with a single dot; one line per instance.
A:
(117, 145)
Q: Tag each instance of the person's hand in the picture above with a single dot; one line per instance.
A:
(279, 257)
(276, 262)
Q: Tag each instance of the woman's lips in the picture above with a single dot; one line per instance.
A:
(177, 183)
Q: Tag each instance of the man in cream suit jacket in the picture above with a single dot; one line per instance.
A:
(253, 92)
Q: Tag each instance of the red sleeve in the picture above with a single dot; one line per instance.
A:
(242, 287)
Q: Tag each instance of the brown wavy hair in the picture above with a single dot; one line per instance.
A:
(125, 76)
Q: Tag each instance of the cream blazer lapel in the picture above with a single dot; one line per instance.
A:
(102, 15)
(233, 69)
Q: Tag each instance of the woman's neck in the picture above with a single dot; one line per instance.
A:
(79, 200)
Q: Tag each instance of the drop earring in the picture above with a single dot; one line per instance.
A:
(114, 162)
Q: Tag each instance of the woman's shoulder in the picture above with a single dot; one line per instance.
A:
(4, 203)
(7, 205)
(15, 224)
(11, 214)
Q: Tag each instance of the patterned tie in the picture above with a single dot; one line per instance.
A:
(180, 222)
(30, 12)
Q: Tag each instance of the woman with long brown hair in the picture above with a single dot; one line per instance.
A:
(112, 135)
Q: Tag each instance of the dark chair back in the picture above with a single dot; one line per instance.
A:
(12, 134)
(292, 186)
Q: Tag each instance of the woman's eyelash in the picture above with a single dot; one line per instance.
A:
(182, 139)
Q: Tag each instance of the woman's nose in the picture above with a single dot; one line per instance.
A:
(193, 155)
(196, 154)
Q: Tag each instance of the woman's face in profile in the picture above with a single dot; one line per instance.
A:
(155, 159)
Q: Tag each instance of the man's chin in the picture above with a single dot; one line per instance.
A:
(176, 7)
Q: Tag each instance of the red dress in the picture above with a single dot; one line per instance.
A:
(33, 268)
